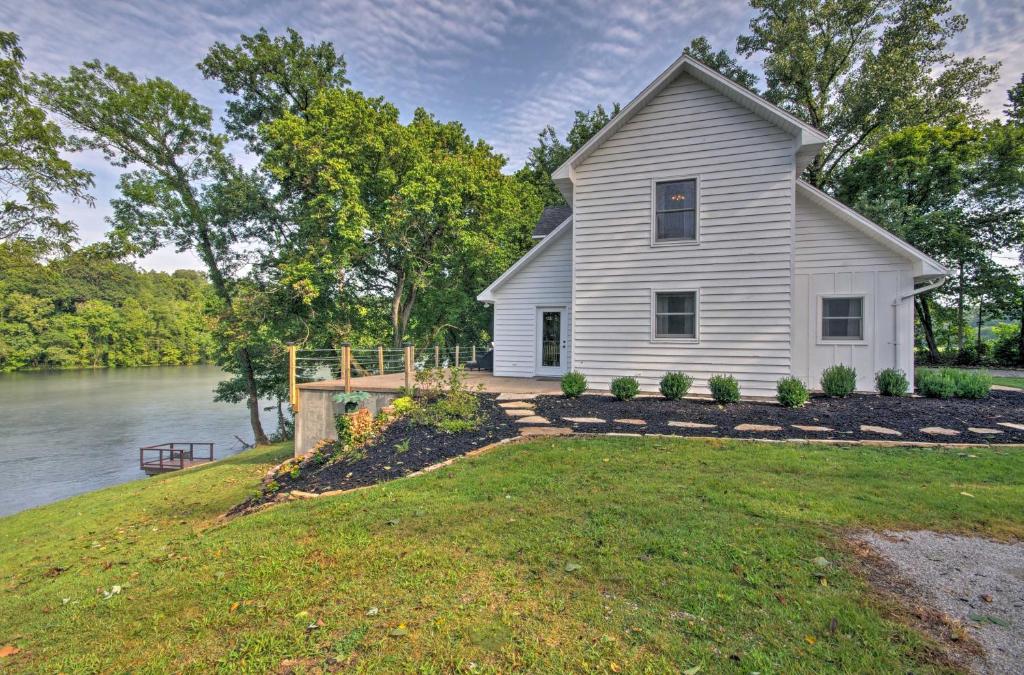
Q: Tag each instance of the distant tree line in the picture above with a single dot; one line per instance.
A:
(83, 309)
(353, 226)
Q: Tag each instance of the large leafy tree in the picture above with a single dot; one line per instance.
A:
(861, 69)
(700, 48)
(550, 152)
(31, 166)
(186, 191)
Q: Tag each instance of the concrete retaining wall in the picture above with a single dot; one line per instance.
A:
(317, 412)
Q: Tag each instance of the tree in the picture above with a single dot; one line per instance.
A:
(700, 49)
(551, 152)
(31, 168)
(859, 70)
(269, 77)
(188, 192)
(1015, 108)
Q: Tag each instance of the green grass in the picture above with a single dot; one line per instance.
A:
(1009, 381)
(556, 555)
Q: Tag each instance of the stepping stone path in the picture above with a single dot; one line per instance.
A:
(511, 405)
(1012, 425)
(637, 423)
(940, 431)
(886, 431)
(691, 425)
(545, 431)
(533, 419)
(516, 397)
(520, 412)
(757, 427)
(983, 430)
(811, 427)
(584, 420)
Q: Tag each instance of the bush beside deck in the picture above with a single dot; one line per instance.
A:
(557, 554)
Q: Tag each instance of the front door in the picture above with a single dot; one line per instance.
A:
(551, 341)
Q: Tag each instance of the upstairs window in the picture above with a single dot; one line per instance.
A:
(675, 315)
(842, 318)
(675, 211)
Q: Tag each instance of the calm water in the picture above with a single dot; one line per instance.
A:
(66, 432)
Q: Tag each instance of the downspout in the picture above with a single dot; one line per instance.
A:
(930, 286)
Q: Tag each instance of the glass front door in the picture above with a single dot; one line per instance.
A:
(551, 343)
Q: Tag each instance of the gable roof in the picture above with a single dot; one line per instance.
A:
(550, 218)
(487, 295)
(924, 266)
(810, 139)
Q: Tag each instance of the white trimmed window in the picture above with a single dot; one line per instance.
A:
(842, 319)
(675, 210)
(675, 315)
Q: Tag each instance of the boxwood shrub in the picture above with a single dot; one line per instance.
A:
(839, 380)
(891, 382)
(953, 383)
(674, 386)
(625, 388)
(724, 388)
(791, 392)
(574, 383)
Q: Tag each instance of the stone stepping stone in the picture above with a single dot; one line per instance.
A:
(628, 420)
(983, 430)
(516, 397)
(886, 431)
(520, 412)
(545, 431)
(811, 427)
(1012, 425)
(757, 427)
(533, 419)
(940, 431)
(516, 404)
(692, 425)
(584, 420)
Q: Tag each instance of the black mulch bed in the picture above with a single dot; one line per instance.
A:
(389, 456)
(906, 415)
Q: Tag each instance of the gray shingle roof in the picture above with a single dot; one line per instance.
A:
(552, 217)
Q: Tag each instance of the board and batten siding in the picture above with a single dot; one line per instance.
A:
(741, 268)
(545, 281)
(833, 258)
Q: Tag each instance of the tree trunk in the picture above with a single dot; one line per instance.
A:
(960, 323)
(981, 320)
(1020, 341)
(397, 333)
(925, 315)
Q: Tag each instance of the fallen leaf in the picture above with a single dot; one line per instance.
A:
(832, 626)
(8, 650)
(373, 611)
(986, 597)
(398, 631)
(810, 639)
(571, 567)
(614, 667)
(967, 494)
(692, 671)
(234, 606)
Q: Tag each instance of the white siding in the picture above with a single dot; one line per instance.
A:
(741, 268)
(544, 281)
(834, 258)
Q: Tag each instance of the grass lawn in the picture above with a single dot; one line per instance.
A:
(1010, 381)
(615, 554)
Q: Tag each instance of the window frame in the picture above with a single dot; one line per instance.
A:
(654, 211)
(695, 338)
(865, 322)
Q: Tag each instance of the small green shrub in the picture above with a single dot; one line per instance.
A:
(953, 383)
(403, 405)
(891, 382)
(625, 388)
(724, 388)
(839, 380)
(674, 386)
(574, 383)
(791, 392)
(450, 406)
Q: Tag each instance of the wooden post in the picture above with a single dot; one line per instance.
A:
(472, 353)
(380, 359)
(456, 356)
(293, 388)
(346, 358)
(408, 368)
(437, 356)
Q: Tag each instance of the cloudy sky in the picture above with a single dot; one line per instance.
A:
(505, 68)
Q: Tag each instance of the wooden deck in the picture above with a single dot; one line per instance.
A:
(393, 383)
(165, 457)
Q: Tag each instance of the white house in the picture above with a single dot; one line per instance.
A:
(692, 245)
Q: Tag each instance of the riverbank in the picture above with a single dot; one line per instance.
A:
(607, 554)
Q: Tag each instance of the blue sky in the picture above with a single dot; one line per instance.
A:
(504, 68)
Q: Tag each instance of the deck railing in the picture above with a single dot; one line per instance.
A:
(347, 362)
(177, 455)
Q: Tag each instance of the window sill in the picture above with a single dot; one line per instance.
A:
(672, 340)
(833, 343)
(675, 243)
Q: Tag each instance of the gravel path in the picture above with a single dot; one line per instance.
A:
(975, 581)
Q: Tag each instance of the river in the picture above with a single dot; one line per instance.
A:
(66, 432)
